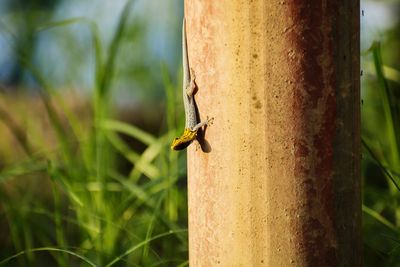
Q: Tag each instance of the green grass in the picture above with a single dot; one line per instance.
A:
(381, 164)
(74, 206)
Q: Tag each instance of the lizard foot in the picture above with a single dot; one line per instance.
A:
(210, 121)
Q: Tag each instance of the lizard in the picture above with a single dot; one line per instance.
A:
(189, 89)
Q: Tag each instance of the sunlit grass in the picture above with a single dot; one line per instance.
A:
(84, 210)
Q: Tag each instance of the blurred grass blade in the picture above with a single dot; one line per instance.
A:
(62, 23)
(383, 169)
(22, 169)
(128, 129)
(57, 174)
(150, 226)
(106, 76)
(134, 189)
(391, 116)
(16, 130)
(183, 264)
(60, 235)
(144, 166)
(54, 118)
(390, 73)
(146, 158)
(171, 99)
(141, 244)
(83, 258)
(378, 217)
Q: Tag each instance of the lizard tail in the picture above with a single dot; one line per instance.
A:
(185, 59)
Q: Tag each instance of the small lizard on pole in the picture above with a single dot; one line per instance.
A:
(189, 90)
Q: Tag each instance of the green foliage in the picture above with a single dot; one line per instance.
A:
(381, 161)
(74, 206)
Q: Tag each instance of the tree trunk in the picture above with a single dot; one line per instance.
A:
(277, 180)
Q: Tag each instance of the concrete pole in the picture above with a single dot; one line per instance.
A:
(277, 181)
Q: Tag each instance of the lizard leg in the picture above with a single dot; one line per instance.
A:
(190, 89)
(201, 124)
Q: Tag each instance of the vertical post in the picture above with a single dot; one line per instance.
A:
(280, 182)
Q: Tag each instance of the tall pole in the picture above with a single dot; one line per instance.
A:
(277, 179)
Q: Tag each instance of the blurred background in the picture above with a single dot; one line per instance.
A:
(89, 102)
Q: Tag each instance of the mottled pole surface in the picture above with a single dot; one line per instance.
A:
(279, 183)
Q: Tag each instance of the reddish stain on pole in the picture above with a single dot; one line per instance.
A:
(315, 103)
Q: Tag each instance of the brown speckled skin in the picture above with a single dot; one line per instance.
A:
(281, 184)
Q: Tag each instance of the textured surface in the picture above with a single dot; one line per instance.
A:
(280, 183)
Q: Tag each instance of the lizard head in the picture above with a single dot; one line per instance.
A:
(184, 140)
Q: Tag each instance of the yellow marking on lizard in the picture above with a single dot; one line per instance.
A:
(184, 140)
